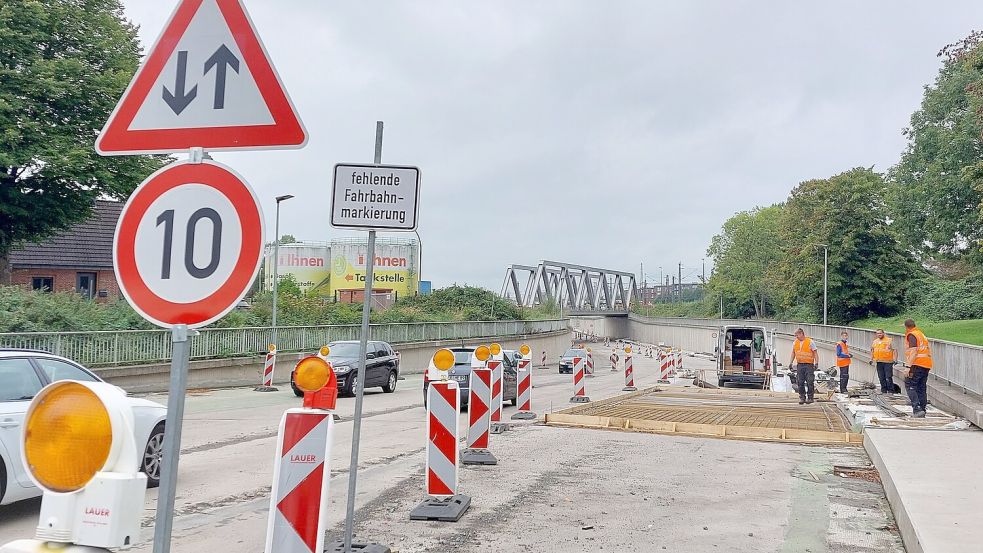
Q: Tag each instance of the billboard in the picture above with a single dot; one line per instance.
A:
(396, 266)
(310, 265)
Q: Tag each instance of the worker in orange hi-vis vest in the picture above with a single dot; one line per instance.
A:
(843, 358)
(918, 353)
(805, 358)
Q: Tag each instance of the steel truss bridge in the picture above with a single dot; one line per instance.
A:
(574, 288)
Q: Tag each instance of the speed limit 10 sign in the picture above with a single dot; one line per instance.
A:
(188, 244)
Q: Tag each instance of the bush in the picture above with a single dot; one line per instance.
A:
(947, 300)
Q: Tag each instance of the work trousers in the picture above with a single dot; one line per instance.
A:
(885, 374)
(916, 386)
(844, 378)
(805, 377)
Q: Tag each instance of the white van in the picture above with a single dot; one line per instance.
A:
(745, 354)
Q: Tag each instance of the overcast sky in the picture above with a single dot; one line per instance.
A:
(601, 133)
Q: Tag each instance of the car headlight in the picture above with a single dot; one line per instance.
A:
(342, 369)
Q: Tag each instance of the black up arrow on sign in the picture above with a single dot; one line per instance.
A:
(178, 100)
(221, 60)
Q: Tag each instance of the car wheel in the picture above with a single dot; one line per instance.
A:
(390, 385)
(297, 391)
(152, 456)
(352, 387)
(3, 481)
(515, 401)
(721, 382)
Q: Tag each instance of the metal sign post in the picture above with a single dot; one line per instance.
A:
(180, 359)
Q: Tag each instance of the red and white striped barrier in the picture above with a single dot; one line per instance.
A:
(443, 406)
(479, 419)
(579, 382)
(589, 370)
(299, 499)
(524, 389)
(614, 362)
(629, 375)
(496, 401)
(267, 382)
(679, 361)
(441, 473)
(544, 358)
(663, 366)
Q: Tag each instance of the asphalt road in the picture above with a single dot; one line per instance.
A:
(554, 488)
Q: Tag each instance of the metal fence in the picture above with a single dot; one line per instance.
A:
(956, 364)
(131, 347)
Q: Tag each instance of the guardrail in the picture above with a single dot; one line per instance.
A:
(132, 347)
(957, 364)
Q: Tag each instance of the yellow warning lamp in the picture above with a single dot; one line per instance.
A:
(443, 360)
(312, 373)
(627, 349)
(482, 353)
(78, 446)
(588, 350)
(525, 350)
(271, 348)
(496, 349)
(324, 351)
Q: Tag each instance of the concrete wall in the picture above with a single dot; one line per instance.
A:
(246, 371)
(599, 325)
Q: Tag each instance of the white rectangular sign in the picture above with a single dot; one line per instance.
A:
(379, 197)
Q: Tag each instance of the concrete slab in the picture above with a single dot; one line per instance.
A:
(934, 485)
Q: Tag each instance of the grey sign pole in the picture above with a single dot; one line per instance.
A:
(363, 349)
(180, 356)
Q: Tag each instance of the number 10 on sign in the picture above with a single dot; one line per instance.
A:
(188, 244)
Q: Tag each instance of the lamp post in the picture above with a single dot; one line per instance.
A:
(825, 248)
(276, 258)
(419, 262)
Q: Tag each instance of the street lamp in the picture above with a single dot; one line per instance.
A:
(276, 258)
(825, 248)
(419, 262)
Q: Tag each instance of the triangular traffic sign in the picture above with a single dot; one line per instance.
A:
(207, 82)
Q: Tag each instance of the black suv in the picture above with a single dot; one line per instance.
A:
(381, 367)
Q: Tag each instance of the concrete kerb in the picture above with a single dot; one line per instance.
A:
(908, 534)
(247, 371)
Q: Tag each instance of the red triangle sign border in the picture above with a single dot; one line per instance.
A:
(286, 132)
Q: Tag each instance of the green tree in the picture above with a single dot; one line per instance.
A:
(63, 66)
(745, 254)
(936, 185)
(869, 270)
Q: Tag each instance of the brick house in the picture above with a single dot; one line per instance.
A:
(77, 259)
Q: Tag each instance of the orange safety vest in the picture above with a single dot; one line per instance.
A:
(881, 350)
(921, 354)
(803, 352)
(843, 361)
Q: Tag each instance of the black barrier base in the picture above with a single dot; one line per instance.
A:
(614, 370)
(629, 389)
(265, 389)
(580, 399)
(664, 382)
(449, 509)
(524, 415)
(499, 427)
(339, 547)
(478, 457)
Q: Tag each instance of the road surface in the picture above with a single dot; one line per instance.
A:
(554, 488)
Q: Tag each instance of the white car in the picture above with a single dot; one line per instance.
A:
(22, 375)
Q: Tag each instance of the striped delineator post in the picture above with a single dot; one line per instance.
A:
(679, 361)
(579, 382)
(589, 370)
(544, 358)
(267, 382)
(301, 474)
(479, 419)
(441, 470)
(524, 389)
(496, 402)
(629, 375)
(663, 366)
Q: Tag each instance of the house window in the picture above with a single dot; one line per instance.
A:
(43, 284)
(85, 284)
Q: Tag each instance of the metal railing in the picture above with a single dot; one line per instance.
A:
(954, 363)
(133, 347)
